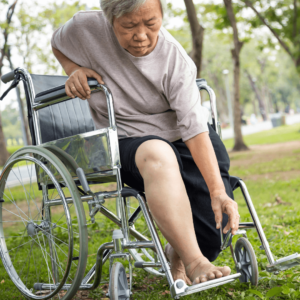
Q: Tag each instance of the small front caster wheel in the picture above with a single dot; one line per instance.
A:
(118, 284)
(247, 263)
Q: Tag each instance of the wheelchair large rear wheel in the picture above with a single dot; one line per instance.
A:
(43, 246)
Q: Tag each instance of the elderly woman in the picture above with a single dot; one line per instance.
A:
(167, 147)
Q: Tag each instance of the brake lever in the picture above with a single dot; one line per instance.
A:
(225, 241)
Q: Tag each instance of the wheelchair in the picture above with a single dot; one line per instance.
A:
(49, 205)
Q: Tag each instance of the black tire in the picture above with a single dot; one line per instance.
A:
(247, 261)
(118, 285)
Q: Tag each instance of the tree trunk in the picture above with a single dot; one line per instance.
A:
(197, 35)
(24, 121)
(239, 144)
(4, 155)
(261, 104)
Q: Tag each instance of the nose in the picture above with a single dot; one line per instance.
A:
(140, 34)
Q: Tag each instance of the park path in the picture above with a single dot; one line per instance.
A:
(262, 126)
(20, 172)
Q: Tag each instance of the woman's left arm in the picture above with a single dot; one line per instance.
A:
(204, 156)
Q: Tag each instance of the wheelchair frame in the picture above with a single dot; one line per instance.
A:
(95, 201)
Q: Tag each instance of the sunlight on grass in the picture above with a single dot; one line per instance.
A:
(280, 221)
(276, 135)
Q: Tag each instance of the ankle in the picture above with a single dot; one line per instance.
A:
(194, 262)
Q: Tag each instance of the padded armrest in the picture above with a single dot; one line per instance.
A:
(58, 92)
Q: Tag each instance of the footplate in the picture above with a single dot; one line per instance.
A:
(180, 289)
(284, 263)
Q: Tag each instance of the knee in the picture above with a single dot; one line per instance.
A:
(154, 157)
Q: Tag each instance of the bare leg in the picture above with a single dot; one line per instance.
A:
(170, 207)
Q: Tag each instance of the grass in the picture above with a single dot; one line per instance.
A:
(12, 149)
(277, 201)
(276, 135)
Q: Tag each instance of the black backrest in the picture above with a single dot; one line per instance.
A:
(63, 119)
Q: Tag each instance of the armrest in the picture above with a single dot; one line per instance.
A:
(59, 92)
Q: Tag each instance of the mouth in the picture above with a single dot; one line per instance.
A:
(140, 47)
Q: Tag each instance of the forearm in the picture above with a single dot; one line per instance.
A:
(204, 156)
(68, 65)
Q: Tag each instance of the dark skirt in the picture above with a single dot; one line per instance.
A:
(208, 236)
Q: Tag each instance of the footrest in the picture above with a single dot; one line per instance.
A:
(178, 291)
(284, 263)
(142, 265)
(50, 287)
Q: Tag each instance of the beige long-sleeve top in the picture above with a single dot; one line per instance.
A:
(153, 95)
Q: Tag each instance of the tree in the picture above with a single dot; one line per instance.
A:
(283, 20)
(197, 31)
(239, 144)
(4, 155)
(261, 104)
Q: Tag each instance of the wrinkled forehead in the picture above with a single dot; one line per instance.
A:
(144, 13)
(151, 9)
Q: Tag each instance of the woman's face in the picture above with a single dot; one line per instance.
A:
(137, 32)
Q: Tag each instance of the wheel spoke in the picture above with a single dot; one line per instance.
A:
(37, 240)
(25, 191)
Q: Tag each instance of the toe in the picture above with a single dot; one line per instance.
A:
(187, 280)
(226, 271)
(211, 275)
(218, 274)
(196, 281)
(203, 278)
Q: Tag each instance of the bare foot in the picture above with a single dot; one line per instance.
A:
(177, 266)
(202, 270)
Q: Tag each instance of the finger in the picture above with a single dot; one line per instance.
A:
(233, 221)
(80, 89)
(227, 227)
(68, 91)
(218, 217)
(235, 224)
(85, 85)
(96, 76)
(75, 92)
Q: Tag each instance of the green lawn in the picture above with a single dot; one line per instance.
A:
(270, 175)
(276, 135)
(13, 149)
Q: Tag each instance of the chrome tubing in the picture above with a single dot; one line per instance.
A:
(98, 266)
(122, 209)
(256, 221)
(202, 85)
(156, 240)
(31, 93)
(110, 106)
(246, 225)
(85, 198)
(92, 271)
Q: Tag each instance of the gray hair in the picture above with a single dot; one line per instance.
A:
(118, 8)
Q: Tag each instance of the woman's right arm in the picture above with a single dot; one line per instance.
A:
(76, 85)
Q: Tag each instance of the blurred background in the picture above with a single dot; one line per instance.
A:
(248, 51)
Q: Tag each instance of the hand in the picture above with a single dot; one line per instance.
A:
(77, 84)
(224, 204)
